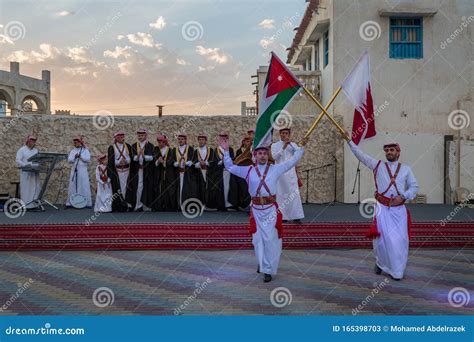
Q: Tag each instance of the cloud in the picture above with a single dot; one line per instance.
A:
(6, 40)
(140, 38)
(181, 61)
(76, 60)
(119, 51)
(206, 68)
(65, 13)
(46, 52)
(267, 24)
(213, 54)
(159, 24)
(132, 60)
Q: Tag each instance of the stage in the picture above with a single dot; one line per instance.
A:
(325, 226)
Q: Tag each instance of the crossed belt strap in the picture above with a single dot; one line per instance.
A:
(262, 180)
(121, 152)
(392, 179)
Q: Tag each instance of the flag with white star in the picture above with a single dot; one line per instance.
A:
(279, 89)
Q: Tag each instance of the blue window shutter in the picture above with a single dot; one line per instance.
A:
(406, 38)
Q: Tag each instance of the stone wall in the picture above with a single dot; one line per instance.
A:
(55, 135)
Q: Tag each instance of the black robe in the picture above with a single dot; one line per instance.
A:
(190, 180)
(202, 184)
(119, 203)
(165, 182)
(215, 177)
(148, 172)
(238, 190)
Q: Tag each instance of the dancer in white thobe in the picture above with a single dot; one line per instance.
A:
(79, 158)
(29, 180)
(395, 183)
(262, 184)
(288, 193)
(103, 200)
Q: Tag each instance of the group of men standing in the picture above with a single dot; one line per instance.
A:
(162, 178)
(144, 176)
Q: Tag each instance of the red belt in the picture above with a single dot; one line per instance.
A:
(386, 201)
(122, 167)
(264, 200)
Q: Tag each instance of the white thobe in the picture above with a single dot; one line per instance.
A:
(140, 160)
(122, 173)
(391, 248)
(288, 192)
(265, 240)
(204, 154)
(226, 180)
(29, 181)
(103, 200)
(81, 177)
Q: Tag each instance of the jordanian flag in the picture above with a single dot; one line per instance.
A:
(279, 89)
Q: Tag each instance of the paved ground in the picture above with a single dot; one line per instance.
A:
(319, 282)
(313, 212)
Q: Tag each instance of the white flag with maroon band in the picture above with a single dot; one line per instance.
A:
(356, 86)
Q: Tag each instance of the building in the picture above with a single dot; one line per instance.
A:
(24, 94)
(421, 79)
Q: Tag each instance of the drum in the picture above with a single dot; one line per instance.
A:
(78, 201)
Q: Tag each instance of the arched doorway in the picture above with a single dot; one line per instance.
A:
(5, 103)
(32, 105)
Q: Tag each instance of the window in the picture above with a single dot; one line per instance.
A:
(406, 38)
(326, 47)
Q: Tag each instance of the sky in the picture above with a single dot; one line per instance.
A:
(194, 57)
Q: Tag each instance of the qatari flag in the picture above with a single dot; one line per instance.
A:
(356, 86)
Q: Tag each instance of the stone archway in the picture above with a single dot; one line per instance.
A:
(6, 101)
(32, 104)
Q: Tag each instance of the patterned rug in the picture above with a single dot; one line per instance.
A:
(208, 236)
(309, 282)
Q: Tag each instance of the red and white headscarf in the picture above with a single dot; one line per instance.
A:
(101, 157)
(30, 137)
(164, 138)
(79, 138)
(116, 134)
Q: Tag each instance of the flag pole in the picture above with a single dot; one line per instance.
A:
(324, 111)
